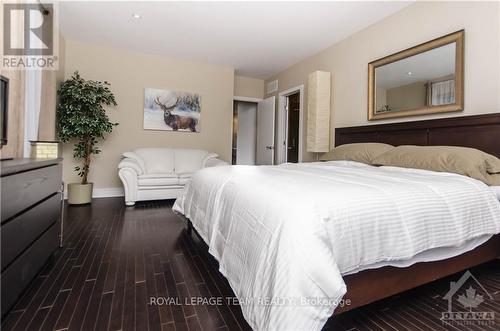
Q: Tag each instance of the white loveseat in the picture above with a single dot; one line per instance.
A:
(160, 173)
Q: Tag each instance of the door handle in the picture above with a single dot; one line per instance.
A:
(270, 147)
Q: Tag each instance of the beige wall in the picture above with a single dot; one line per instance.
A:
(417, 23)
(129, 73)
(411, 96)
(248, 87)
(380, 97)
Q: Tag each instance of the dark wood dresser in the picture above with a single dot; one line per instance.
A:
(30, 228)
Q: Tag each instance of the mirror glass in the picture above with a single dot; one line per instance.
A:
(420, 81)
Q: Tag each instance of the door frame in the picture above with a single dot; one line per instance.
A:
(247, 99)
(282, 125)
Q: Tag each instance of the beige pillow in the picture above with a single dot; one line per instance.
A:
(461, 160)
(360, 152)
(493, 165)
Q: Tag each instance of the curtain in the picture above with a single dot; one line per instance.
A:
(47, 119)
(32, 103)
(33, 106)
(443, 93)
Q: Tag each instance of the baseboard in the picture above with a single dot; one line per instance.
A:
(108, 192)
(104, 192)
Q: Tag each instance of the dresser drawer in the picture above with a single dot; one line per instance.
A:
(21, 231)
(24, 189)
(20, 273)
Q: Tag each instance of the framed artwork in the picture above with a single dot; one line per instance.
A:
(171, 110)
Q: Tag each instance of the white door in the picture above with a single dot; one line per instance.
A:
(265, 131)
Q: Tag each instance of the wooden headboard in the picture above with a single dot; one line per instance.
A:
(479, 131)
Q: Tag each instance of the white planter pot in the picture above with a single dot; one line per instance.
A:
(79, 194)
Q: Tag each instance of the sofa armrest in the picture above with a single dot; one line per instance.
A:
(131, 164)
(214, 162)
(128, 176)
(133, 157)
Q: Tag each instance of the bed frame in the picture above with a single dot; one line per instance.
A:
(481, 132)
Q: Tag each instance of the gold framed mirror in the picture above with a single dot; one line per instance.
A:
(425, 79)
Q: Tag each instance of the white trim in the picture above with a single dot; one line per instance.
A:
(282, 123)
(108, 192)
(105, 192)
(247, 99)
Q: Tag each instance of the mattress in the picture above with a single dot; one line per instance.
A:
(285, 235)
(430, 255)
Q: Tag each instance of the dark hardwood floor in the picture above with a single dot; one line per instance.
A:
(115, 259)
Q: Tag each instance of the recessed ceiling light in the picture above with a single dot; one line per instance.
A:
(409, 73)
(136, 16)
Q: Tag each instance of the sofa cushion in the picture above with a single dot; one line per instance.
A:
(189, 160)
(157, 160)
(158, 180)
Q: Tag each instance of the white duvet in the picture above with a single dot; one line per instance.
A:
(284, 235)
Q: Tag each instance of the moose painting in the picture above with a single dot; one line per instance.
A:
(171, 110)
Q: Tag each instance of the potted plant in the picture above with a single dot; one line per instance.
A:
(82, 118)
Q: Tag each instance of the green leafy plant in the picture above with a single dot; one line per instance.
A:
(81, 116)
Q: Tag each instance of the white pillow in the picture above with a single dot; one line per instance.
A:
(496, 190)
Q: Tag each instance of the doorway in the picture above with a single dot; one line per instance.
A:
(244, 132)
(289, 130)
(293, 119)
(253, 131)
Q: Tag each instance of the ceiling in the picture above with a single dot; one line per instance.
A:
(436, 63)
(258, 39)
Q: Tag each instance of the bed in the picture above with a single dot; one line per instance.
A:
(293, 241)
